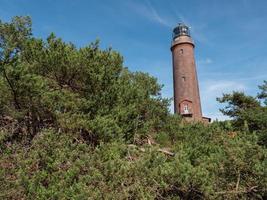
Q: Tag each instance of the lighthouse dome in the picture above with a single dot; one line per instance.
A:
(181, 30)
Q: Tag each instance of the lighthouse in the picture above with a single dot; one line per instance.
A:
(186, 90)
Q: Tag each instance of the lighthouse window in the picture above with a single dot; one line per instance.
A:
(186, 110)
(183, 78)
(181, 51)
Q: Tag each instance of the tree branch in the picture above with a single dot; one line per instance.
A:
(17, 106)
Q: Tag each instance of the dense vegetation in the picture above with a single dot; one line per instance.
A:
(76, 124)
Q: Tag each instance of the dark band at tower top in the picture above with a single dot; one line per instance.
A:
(186, 90)
(180, 30)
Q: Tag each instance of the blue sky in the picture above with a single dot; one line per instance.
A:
(230, 37)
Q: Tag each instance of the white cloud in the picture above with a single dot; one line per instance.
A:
(154, 15)
(222, 87)
(217, 116)
(150, 12)
(205, 61)
(256, 77)
(211, 89)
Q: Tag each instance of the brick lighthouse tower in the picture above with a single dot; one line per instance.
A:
(186, 90)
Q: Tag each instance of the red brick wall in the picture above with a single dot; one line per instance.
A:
(185, 76)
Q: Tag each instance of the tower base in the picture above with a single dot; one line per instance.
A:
(189, 118)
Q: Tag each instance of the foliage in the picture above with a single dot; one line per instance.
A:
(53, 84)
(247, 112)
(208, 164)
(263, 94)
(76, 124)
